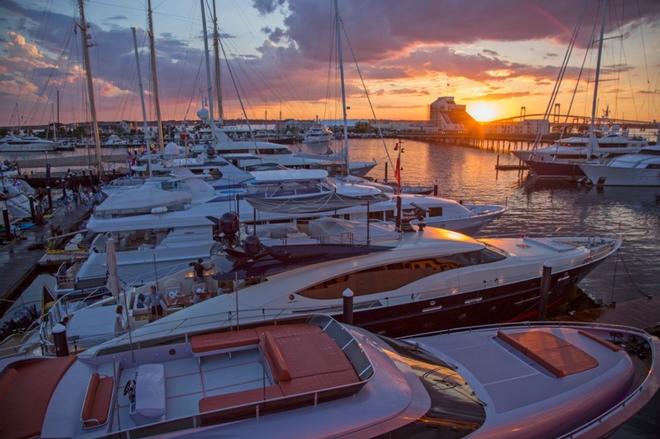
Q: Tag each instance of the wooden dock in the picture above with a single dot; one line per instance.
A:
(19, 262)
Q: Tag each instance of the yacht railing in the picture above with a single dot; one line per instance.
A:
(16, 343)
(57, 313)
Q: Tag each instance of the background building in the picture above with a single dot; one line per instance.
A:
(524, 127)
(447, 116)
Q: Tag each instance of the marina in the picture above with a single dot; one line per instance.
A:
(173, 265)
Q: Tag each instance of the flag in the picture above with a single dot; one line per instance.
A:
(397, 171)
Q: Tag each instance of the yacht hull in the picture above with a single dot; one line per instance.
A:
(506, 303)
(614, 176)
(28, 148)
(554, 169)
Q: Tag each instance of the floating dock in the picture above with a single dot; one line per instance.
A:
(20, 260)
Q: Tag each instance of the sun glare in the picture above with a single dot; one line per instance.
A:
(482, 111)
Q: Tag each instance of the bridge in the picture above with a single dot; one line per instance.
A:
(578, 123)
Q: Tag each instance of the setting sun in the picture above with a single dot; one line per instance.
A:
(482, 111)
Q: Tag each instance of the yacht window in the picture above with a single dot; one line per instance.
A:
(197, 171)
(136, 239)
(568, 156)
(435, 211)
(650, 151)
(379, 279)
(376, 215)
(455, 412)
(169, 185)
(653, 166)
(393, 276)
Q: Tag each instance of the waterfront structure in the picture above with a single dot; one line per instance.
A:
(448, 116)
(525, 127)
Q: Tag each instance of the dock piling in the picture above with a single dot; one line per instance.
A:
(33, 215)
(347, 297)
(545, 289)
(7, 224)
(59, 338)
(50, 198)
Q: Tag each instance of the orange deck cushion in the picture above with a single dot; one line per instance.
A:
(315, 383)
(312, 354)
(276, 360)
(553, 353)
(97, 401)
(288, 330)
(223, 340)
(227, 400)
(27, 387)
(302, 358)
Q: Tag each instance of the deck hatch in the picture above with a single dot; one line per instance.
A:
(554, 354)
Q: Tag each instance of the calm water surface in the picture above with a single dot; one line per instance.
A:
(469, 174)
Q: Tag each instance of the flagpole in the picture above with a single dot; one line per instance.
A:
(397, 176)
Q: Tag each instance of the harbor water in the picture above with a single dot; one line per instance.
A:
(534, 208)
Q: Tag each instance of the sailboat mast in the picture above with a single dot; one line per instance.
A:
(216, 53)
(58, 109)
(90, 86)
(604, 6)
(154, 75)
(144, 109)
(340, 57)
(208, 69)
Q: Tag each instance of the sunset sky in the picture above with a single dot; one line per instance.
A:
(493, 55)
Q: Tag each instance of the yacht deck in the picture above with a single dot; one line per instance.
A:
(208, 379)
(189, 380)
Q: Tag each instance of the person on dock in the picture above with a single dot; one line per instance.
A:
(120, 321)
(156, 303)
(198, 268)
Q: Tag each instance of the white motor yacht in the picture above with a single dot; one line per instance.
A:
(311, 377)
(318, 136)
(425, 280)
(114, 141)
(563, 159)
(640, 169)
(26, 144)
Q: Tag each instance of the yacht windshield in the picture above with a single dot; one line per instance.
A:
(455, 411)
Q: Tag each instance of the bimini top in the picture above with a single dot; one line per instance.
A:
(279, 176)
(142, 200)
